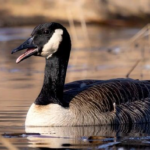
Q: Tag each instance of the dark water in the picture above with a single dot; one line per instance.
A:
(91, 57)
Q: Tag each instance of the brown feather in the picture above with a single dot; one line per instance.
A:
(93, 104)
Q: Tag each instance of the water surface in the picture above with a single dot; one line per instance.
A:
(99, 56)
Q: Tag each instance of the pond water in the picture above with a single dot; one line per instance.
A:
(95, 55)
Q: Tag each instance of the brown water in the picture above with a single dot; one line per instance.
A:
(104, 54)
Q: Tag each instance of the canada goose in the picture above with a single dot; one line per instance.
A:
(89, 102)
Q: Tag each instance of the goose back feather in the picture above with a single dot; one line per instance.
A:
(115, 101)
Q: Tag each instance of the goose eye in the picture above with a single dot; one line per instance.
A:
(46, 31)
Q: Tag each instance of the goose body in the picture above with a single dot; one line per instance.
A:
(86, 102)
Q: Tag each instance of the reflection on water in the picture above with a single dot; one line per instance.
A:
(21, 83)
(96, 137)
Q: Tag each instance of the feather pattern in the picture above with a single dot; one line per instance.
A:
(115, 101)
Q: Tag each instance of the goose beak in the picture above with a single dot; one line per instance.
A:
(31, 49)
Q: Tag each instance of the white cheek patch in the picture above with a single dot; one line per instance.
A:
(52, 45)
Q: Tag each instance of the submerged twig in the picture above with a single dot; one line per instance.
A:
(7, 144)
(108, 144)
(140, 33)
(130, 71)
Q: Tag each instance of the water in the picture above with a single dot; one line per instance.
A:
(20, 84)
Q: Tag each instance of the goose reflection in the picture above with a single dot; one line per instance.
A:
(86, 136)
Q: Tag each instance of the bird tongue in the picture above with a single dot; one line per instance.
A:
(28, 53)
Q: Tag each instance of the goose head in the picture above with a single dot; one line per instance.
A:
(47, 40)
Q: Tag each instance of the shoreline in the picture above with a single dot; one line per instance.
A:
(104, 12)
(13, 21)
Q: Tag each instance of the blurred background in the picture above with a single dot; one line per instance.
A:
(110, 39)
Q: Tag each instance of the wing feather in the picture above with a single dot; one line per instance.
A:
(103, 94)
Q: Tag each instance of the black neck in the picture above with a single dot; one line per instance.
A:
(55, 73)
(52, 90)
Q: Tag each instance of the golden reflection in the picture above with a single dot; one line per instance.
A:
(82, 137)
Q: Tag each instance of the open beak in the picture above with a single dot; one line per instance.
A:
(31, 49)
